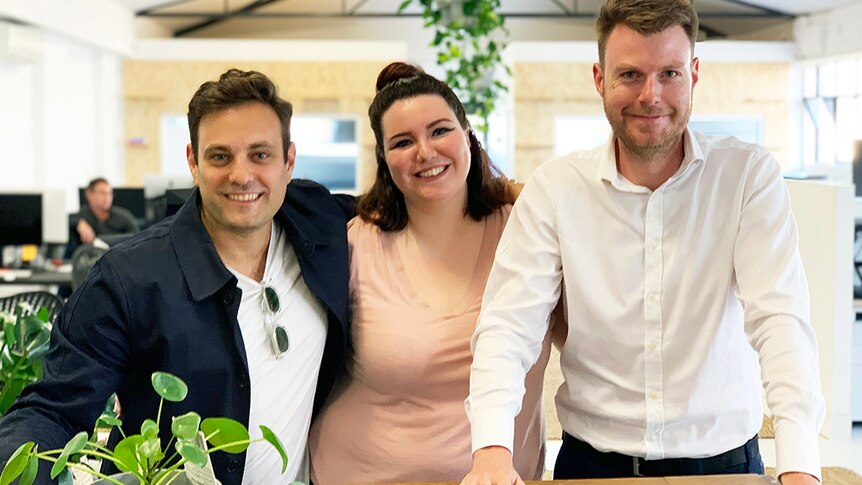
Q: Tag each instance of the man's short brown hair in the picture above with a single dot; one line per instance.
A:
(236, 88)
(646, 17)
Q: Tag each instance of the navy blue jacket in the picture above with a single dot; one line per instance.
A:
(164, 301)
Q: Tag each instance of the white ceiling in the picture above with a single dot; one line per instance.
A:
(749, 19)
(801, 7)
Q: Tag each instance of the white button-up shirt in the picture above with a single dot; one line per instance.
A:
(678, 301)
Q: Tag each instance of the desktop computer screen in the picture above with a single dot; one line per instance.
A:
(129, 198)
(20, 219)
(132, 199)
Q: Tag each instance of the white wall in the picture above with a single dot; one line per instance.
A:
(828, 34)
(103, 24)
(60, 117)
(824, 214)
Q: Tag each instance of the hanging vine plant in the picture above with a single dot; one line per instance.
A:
(469, 36)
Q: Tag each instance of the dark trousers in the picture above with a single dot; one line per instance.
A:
(578, 459)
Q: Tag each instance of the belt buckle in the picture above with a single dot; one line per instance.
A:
(636, 466)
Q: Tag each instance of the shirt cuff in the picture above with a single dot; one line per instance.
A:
(492, 427)
(797, 449)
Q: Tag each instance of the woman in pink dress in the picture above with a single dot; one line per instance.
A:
(421, 249)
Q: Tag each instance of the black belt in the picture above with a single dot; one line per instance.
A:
(642, 467)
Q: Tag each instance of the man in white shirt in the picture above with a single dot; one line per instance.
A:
(683, 286)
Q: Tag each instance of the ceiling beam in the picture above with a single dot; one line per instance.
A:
(771, 12)
(221, 17)
(710, 32)
(563, 7)
(150, 10)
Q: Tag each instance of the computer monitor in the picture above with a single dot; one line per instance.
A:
(129, 198)
(175, 198)
(20, 219)
(33, 218)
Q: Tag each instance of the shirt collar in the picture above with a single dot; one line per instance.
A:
(201, 265)
(203, 269)
(607, 169)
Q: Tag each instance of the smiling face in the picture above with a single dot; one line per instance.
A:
(426, 149)
(646, 85)
(241, 169)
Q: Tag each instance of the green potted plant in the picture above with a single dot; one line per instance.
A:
(24, 339)
(469, 36)
(142, 457)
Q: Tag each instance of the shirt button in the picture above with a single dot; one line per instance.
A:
(653, 297)
(653, 396)
(652, 346)
(232, 466)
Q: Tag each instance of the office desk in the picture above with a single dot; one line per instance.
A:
(41, 278)
(38, 280)
(700, 480)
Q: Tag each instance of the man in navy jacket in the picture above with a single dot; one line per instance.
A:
(168, 299)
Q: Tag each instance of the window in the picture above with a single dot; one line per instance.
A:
(585, 132)
(327, 150)
(832, 119)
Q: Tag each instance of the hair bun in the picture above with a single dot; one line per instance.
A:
(396, 71)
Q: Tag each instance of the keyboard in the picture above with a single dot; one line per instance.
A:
(14, 274)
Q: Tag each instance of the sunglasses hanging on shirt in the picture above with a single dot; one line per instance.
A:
(278, 337)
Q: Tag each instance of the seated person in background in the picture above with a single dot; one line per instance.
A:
(421, 249)
(100, 217)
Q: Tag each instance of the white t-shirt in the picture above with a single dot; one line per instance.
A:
(282, 389)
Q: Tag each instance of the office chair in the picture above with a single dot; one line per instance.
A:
(36, 300)
(84, 257)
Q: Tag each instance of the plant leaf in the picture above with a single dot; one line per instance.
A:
(191, 452)
(10, 392)
(9, 333)
(272, 438)
(403, 5)
(29, 475)
(43, 314)
(75, 445)
(169, 386)
(16, 464)
(65, 477)
(225, 431)
(185, 427)
(151, 449)
(149, 429)
(108, 421)
(126, 454)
